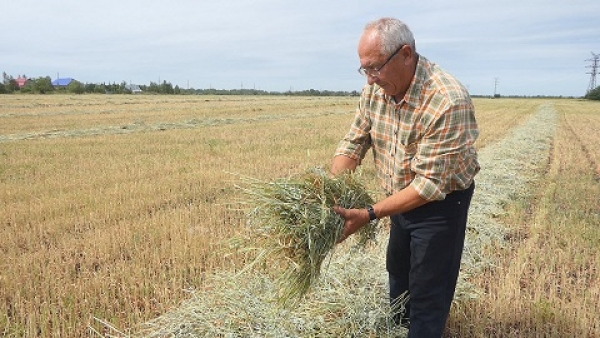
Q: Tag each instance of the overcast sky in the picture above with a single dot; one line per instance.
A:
(524, 47)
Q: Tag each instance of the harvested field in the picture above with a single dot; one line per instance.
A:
(545, 279)
(120, 207)
(362, 308)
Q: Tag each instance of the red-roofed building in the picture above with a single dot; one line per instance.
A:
(21, 81)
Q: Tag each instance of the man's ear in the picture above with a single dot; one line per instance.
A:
(408, 53)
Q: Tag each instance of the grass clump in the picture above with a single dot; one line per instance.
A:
(293, 225)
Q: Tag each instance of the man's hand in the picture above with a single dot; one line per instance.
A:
(354, 220)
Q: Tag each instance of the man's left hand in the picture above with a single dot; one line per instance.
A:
(354, 220)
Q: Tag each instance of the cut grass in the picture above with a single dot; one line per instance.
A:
(293, 219)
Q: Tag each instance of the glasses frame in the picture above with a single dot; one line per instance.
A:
(377, 71)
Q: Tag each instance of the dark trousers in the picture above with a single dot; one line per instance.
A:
(423, 258)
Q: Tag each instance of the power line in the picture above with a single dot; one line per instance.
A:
(593, 72)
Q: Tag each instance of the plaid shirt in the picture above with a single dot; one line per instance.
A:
(425, 140)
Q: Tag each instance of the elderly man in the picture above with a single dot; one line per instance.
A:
(420, 123)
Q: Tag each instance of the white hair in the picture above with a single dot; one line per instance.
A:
(393, 34)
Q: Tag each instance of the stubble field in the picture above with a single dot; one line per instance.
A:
(114, 207)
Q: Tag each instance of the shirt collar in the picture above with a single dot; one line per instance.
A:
(413, 94)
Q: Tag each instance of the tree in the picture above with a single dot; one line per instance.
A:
(593, 94)
(6, 78)
(41, 85)
(152, 88)
(166, 88)
(75, 87)
(100, 89)
(89, 87)
(123, 88)
(9, 82)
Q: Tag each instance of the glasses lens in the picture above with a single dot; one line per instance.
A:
(367, 72)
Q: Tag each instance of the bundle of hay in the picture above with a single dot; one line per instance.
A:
(292, 222)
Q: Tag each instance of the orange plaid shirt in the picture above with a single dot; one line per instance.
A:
(425, 140)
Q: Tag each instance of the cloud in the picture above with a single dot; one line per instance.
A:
(308, 44)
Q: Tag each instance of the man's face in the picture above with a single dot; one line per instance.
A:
(393, 73)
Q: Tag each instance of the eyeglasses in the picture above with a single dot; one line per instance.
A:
(377, 71)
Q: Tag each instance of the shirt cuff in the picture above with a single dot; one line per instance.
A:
(427, 189)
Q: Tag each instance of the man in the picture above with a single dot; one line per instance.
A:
(420, 123)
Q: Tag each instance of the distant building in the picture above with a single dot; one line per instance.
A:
(135, 89)
(62, 83)
(21, 81)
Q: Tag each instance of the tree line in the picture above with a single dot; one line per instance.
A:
(43, 85)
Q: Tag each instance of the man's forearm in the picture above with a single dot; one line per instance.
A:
(342, 163)
(405, 200)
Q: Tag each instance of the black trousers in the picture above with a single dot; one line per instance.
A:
(423, 259)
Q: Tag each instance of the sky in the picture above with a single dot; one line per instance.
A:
(506, 47)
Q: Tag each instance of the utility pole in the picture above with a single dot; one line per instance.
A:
(593, 72)
(496, 87)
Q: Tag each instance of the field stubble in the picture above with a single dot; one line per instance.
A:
(545, 282)
(114, 206)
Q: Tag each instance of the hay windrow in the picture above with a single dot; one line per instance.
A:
(292, 224)
(504, 177)
(350, 298)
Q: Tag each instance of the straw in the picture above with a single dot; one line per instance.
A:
(293, 226)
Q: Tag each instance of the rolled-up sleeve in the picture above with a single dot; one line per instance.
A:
(357, 141)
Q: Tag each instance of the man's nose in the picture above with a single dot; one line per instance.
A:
(371, 79)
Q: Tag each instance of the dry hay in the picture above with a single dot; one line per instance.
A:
(350, 299)
(293, 226)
